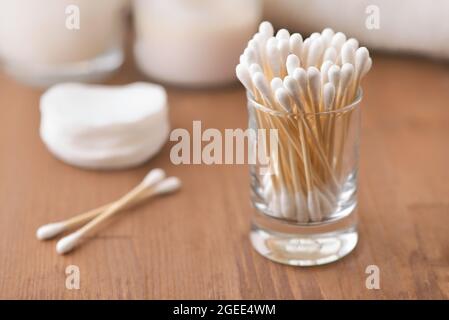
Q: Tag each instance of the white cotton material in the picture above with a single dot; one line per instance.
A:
(171, 184)
(50, 230)
(104, 127)
(153, 177)
(67, 243)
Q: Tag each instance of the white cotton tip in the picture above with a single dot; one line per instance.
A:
(254, 68)
(305, 51)
(276, 83)
(346, 73)
(324, 70)
(361, 59)
(259, 38)
(291, 84)
(314, 81)
(327, 35)
(314, 78)
(334, 75)
(330, 55)
(67, 243)
(266, 28)
(315, 52)
(244, 76)
(296, 44)
(272, 42)
(292, 87)
(153, 177)
(168, 185)
(284, 49)
(292, 63)
(252, 44)
(348, 53)
(50, 230)
(353, 42)
(283, 98)
(300, 76)
(338, 40)
(283, 34)
(274, 56)
(243, 60)
(315, 36)
(328, 96)
(251, 55)
(262, 85)
(368, 65)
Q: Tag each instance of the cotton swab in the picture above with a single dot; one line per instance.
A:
(305, 51)
(327, 35)
(314, 81)
(283, 34)
(296, 44)
(347, 53)
(324, 71)
(328, 96)
(338, 40)
(330, 54)
(315, 53)
(292, 63)
(254, 68)
(168, 185)
(261, 83)
(276, 83)
(266, 28)
(274, 57)
(346, 75)
(284, 50)
(51, 230)
(244, 76)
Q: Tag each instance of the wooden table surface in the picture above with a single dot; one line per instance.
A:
(194, 245)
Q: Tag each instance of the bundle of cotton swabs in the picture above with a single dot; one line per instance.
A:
(308, 81)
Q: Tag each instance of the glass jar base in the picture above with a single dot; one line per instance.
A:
(92, 70)
(303, 245)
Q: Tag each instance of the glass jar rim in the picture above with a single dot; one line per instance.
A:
(354, 104)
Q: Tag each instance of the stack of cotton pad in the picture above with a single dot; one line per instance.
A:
(104, 127)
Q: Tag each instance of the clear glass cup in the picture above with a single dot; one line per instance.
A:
(305, 191)
(50, 41)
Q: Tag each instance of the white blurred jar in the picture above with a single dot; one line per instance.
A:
(38, 48)
(193, 42)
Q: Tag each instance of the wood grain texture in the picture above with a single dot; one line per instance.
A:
(195, 244)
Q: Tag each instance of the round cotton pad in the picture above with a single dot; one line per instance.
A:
(104, 127)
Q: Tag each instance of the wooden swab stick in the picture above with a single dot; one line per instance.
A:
(296, 44)
(168, 185)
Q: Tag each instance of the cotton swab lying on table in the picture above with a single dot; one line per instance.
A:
(51, 230)
(168, 185)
